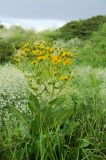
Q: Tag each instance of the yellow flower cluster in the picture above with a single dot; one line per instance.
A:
(56, 59)
(43, 53)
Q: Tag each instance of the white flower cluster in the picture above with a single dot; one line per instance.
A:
(101, 74)
(13, 88)
(86, 75)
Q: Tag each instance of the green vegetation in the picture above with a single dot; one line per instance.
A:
(53, 93)
(82, 29)
(6, 51)
(1, 26)
(94, 51)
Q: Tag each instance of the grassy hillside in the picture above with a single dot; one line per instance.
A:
(81, 29)
(94, 51)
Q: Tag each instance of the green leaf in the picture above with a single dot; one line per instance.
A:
(57, 101)
(34, 104)
(70, 127)
(35, 125)
(85, 142)
(42, 120)
(61, 115)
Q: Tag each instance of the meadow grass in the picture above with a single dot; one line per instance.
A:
(53, 101)
(70, 126)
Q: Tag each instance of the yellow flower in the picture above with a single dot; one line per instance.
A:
(56, 59)
(64, 78)
(65, 54)
(16, 59)
(71, 54)
(33, 62)
(22, 53)
(26, 50)
(67, 61)
(54, 72)
(51, 50)
(34, 52)
(40, 58)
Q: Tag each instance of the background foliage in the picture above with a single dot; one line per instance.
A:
(53, 92)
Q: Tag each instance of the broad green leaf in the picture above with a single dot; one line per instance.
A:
(70, 127)
(42, 121)
(57, 101)
(35, 125)
(61, 115)
(33, 103)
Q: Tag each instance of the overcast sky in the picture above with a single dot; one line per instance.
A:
(48, 11)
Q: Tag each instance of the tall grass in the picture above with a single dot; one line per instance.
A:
(94, 51)
(71, 126)
(54, 111)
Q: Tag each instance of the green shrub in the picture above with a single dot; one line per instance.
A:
(82, 29)
(16, 35)
(13, 88)
(73, 43)
(94, 51)
(6, 51)
(71, 126)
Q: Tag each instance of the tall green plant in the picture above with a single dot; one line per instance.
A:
(46, 125)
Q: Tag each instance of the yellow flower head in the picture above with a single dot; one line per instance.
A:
(33, 62)
(64, 78)
(16, 59)
(22, 53)
(67, 61)
(34, 52)
(26, 50)
(51, 50)
(41, 58)
(65, 54)
(54, 72)
(56, 59)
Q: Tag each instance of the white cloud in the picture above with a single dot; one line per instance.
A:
(37, 24)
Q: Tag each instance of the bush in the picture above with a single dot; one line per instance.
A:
(13, 87)
(94, 51)
(6, 51)
(82, 29)
(16, 35)
(71, 126)
(73, 43)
